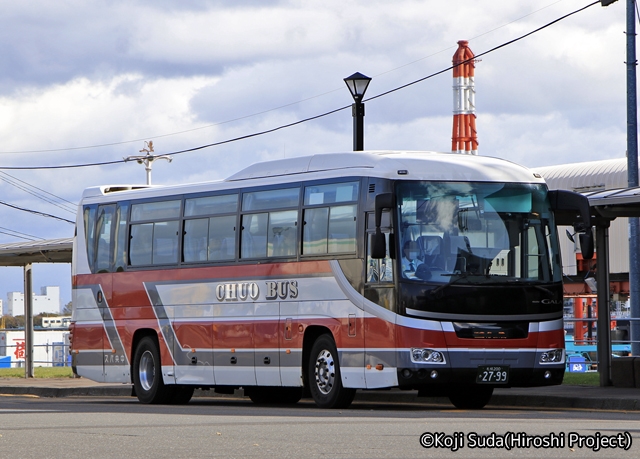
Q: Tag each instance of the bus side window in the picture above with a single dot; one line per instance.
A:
(282, 233)
(165, 242)
(222, 238)
(332, 227)
(104, 227)
(120, 248)
(342, 229)
(140, 244)
(254, 235)
(329, 230)
(89, 234)
(195, 239)
(315, 230)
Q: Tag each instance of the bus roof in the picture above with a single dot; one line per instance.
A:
(399, 165)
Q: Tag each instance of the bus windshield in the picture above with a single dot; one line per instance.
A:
(476, 233)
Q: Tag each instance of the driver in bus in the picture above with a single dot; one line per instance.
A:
(410, 258)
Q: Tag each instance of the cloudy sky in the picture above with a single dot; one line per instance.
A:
(91, 81)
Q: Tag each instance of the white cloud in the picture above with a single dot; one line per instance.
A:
(91, 73)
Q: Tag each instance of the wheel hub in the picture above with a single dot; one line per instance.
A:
(325, 372)
(147, 370)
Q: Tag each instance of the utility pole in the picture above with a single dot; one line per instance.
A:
(632, 176)
(148, 158)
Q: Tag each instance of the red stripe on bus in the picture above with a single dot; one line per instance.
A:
(236, 271)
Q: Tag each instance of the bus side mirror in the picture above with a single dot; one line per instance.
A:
(378, 243)
(586, 244)
(570, 209)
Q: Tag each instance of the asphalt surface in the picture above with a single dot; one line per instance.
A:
(564, 396)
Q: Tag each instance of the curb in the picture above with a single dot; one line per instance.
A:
(500, 400)
(552, 401)
(55, 392)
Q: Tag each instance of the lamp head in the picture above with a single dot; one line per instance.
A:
(357, 84)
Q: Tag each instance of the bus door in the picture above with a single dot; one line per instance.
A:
(107, 238)
(88, 333)
(103, 291)
(379, 330)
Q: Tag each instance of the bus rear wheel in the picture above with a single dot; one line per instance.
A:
(147, 373)
(471, 398)
(323, 375)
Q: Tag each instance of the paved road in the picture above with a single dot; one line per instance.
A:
(563, 396)
(120, 427)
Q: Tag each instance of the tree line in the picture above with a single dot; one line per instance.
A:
(12, 322)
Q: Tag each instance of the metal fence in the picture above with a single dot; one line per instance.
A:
(51, 354)
(619, 343)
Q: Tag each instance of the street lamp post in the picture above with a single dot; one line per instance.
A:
(357, 84)
(148, 159)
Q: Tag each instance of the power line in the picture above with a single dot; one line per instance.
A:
(35, 212)
(19, 234)
(268, 131)
(485, 52)
(11, 180)
(73, 204)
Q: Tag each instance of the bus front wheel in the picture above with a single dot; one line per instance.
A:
(325, 383)
(180, 395)
(147, 372)
(471, 398)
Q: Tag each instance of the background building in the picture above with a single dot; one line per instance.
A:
(579, 275)
(47, 302)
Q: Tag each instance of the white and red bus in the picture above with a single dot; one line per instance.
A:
(323, 275)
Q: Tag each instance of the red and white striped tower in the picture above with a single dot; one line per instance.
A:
(464, 138)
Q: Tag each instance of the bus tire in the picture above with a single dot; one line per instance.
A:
(179, 394)
(323, 375)
(471, 398)
(147, 373)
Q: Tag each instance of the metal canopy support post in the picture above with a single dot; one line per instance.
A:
(604, 316)
(632, 174)
(28, 321)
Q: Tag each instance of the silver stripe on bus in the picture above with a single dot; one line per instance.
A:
(480, 317)
(421, 324)
(108, 323)
(357, 299)
(164, 323)
(551, 325)
(491, 350)
(448, 327)
(208, 292)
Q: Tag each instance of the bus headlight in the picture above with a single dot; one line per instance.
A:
(420, 355)
(552, 356)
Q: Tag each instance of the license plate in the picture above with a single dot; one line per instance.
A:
(493, 374)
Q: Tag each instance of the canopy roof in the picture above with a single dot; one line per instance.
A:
(43, 251)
